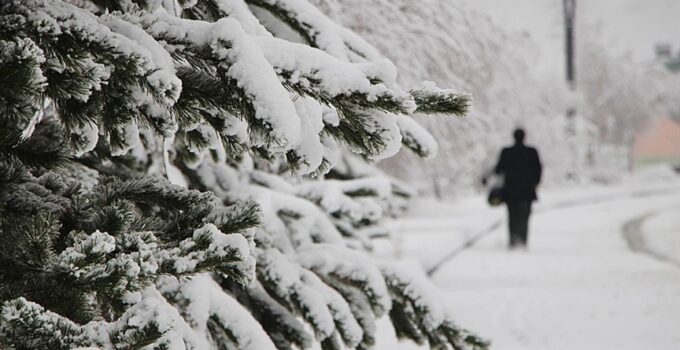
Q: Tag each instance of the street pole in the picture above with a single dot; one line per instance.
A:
(570, 129)
(569, 18)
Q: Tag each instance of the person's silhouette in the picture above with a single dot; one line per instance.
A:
(521, 168)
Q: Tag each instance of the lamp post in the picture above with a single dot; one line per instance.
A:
(570, 129)
(569, 17)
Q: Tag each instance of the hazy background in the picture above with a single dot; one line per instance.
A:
(510, 56)
(627, 27)
(601, 270)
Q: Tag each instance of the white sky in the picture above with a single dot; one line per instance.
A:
(629, 27)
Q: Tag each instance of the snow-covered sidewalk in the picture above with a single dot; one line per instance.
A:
(660, 234)
(579, 286)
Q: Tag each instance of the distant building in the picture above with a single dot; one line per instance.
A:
(663, 51)
(659, 143)
(664, 56)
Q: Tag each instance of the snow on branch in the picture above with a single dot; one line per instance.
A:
(322, 306)
(237, 58)
(418, 314)
(333, 80)
(348, 267)
(23, 82)
(21, 319)
(140, 90)
(210, 250)
(431, 99)
(416, 138)
(216, 9)
(319, 30)
(213, 313)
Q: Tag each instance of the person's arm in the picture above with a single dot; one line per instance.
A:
(538, 167)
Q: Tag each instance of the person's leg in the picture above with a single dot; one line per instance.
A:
(524, 210)
(513, 224)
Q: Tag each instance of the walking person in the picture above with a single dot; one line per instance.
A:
(521, 168)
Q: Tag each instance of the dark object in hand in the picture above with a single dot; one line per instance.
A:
(495, 197)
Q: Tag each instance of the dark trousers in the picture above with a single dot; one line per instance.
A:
(518, 222)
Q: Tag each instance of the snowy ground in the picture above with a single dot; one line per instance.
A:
(581, 285)
(661, 234)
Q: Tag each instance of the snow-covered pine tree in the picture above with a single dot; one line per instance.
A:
(174, 175)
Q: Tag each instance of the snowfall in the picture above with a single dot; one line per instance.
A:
(602, 270)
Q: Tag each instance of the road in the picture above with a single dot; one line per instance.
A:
(579, 286)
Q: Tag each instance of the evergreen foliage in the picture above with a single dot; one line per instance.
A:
(174, 175)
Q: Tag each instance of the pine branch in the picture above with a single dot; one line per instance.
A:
(26, 325)
(432, 100)
(128, 260)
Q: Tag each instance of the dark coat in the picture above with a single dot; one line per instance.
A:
(522, 169)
